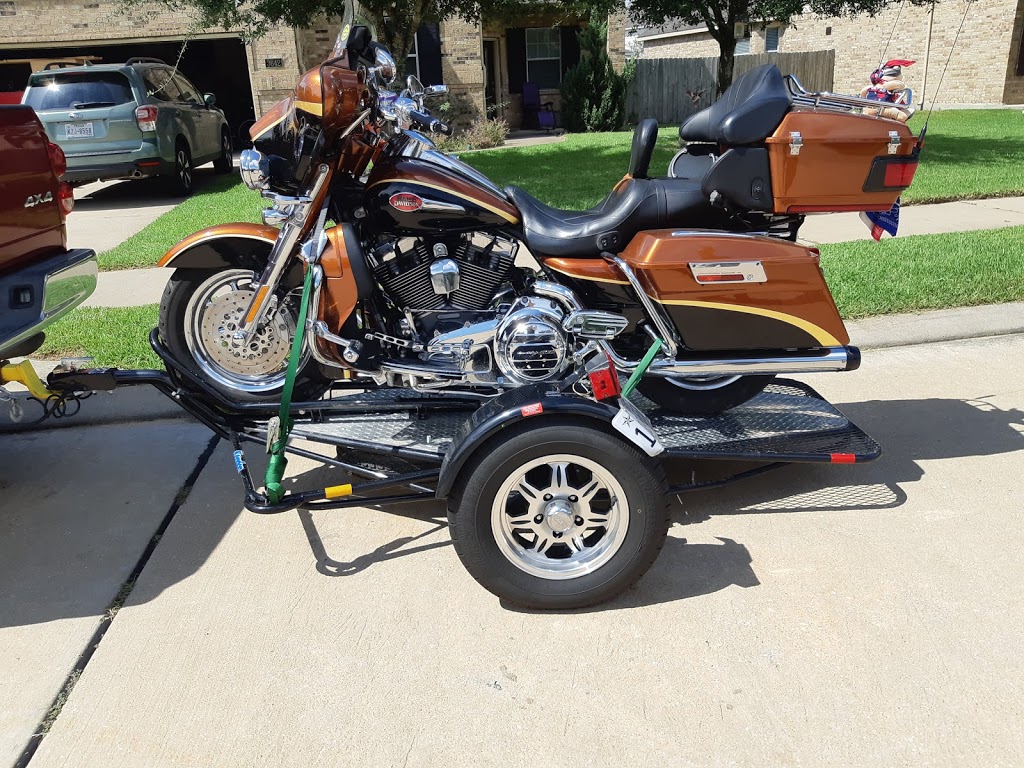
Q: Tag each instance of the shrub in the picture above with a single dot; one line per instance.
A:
(481, 134)
(593, 93)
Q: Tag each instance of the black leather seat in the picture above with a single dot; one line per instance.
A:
(637, 203)
(748, 113)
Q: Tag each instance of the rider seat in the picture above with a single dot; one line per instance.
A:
(635, 204)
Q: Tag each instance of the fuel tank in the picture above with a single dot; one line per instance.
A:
(418, 196)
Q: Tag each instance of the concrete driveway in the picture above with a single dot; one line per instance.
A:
(866, 615)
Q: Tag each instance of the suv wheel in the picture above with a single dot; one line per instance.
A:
(181, 182)
(226, 161)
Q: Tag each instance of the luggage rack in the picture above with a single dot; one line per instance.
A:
(838, 102)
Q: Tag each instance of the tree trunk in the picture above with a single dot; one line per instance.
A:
(726, 62)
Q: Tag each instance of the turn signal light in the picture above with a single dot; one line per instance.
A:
(900, 174)
(57, 159)
(890, 173)
(65, 198)
(145, 116)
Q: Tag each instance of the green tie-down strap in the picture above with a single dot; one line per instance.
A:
(641, 369)
(278, 461)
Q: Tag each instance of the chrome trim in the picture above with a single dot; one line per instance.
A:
(557, 292)
(355, 123)
(254, 168)
(840, 102)
(436, 206)
(664, 326)
(594, 324)
(831, 359)
(749, 271)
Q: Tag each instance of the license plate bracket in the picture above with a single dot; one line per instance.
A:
(79, 131)
(634, 425)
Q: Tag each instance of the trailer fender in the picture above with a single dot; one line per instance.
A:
(225, 245)
(534, 403)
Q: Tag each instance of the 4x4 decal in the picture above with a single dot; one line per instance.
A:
(34, 200)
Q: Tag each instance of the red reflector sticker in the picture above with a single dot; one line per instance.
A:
(405, 201)
(605, 383)
(532, 410)
(843, 458)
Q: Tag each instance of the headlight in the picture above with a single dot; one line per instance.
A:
(255, 169)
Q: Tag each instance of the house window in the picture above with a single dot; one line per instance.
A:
(771, 39)
(544, 57)
(743, 41)
(412, 61)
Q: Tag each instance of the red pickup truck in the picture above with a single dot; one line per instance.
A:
(40, 279)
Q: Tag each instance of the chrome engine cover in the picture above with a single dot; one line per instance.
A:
(530, 345)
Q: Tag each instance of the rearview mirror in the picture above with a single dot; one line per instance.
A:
(209, 99)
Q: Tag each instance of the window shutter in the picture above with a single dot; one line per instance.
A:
(570, 48)
(428, 42)
(516, 41)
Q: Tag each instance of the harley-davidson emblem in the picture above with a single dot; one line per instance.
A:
(34, 200)
(405, 201)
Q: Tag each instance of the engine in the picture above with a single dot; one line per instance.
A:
(452, 275)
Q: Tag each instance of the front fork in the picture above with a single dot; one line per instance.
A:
(293, 214)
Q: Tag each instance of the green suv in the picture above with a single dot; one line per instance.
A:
(129, 121)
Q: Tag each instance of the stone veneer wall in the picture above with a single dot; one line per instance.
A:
(51, 23)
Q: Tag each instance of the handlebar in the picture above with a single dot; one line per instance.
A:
(429, 123)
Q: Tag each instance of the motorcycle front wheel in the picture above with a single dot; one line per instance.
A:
(199, 313)
(702, 395)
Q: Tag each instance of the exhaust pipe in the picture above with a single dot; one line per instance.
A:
(828, 360)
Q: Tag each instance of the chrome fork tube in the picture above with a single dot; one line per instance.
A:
(280, 256)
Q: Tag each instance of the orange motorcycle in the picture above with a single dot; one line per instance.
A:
(426, 275)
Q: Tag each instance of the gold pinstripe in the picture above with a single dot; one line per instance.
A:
(310, 106)
(820, 335)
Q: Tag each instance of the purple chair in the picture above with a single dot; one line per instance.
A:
(542, 115)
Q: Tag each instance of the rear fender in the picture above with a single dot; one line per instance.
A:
(226, 245)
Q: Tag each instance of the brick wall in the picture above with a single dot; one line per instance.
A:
(617, 23)
(55, 22)
(462, 59)
(981, 70)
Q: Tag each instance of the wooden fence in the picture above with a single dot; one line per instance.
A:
(660, 86)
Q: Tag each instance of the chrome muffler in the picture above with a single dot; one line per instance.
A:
(830, 359)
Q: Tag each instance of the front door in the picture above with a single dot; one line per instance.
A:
(490, 76)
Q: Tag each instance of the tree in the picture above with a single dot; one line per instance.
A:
(395, 21)
(721, 17)
(593, 93)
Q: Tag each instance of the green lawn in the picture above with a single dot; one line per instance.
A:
(867, 278)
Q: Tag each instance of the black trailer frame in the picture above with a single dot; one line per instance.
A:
(433, 436)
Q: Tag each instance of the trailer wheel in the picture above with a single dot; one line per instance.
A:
(558, 516)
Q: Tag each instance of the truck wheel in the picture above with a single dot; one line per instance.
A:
(702, 395)
(226, 160)
(558, 516)
(181, 178)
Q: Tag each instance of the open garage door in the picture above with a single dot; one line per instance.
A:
(217, 66)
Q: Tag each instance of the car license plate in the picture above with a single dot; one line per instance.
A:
(78, 131)
(634, 424)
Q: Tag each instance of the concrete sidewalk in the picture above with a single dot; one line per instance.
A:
(855, 616)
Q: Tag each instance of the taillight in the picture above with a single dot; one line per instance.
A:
(65, 198)
(604, 379)
(145, 116)
(57, 160)
(891, 173)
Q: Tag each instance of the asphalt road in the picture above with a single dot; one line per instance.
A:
(848, 615)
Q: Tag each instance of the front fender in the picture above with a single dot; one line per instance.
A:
(225, 245)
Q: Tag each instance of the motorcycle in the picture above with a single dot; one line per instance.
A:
(421, 277)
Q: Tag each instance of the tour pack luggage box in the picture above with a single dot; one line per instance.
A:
(823, 161)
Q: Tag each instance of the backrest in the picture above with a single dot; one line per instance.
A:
(644, 138)
(749, 111)
(531, 95)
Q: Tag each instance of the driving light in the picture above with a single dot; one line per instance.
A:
(254, 167)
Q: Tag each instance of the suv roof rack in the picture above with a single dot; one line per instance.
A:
(65, 65)
(144, 60)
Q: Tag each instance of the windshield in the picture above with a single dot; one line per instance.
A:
(349, 22)
(78, 90)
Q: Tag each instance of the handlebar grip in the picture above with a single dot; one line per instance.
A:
(430, 123)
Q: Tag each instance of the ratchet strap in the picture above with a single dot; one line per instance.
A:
(640, 370)
(278, 460)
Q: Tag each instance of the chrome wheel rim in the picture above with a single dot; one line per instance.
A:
(184, 169)
(703, 383)
(211, 318)
(560, 517)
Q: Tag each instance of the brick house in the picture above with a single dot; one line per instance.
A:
(488, 62)
(987, 66)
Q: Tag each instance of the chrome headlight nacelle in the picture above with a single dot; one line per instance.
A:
(254, 167)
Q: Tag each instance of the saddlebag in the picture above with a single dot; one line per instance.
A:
(824, 161)
(737, 292)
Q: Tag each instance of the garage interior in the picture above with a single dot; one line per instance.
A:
(218, 66)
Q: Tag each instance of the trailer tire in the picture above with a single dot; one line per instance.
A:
(596, 527)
